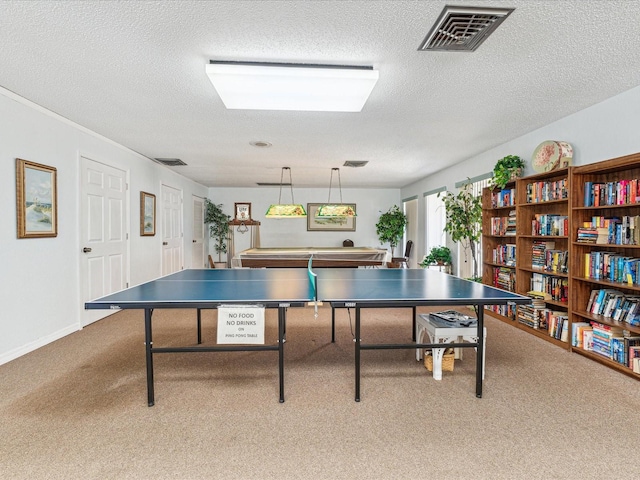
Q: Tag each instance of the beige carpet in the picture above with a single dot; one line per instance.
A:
(76, 409)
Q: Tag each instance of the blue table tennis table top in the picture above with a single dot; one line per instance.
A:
(202, 288)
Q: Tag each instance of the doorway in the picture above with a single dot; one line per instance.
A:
(172, 235)
(104, 236)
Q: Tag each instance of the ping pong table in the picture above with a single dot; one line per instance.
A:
(294, 287)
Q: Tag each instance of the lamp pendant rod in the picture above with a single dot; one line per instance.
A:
(331, 183)
(281, 177)
(291, 185)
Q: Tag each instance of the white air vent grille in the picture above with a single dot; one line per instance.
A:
(463, 28)
(355, 163)
(170, 162)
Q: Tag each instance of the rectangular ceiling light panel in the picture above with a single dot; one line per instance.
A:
(317, 88)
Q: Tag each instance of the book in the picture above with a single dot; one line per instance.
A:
(592, 296)
(617, 350)
(577, 330)
(634, 355)
(636, 365)
(564, 334)
(631, 345)
(587, 339)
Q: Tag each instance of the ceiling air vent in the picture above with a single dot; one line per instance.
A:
(463, 29)
(355, 163)
(170, 162)
(272, 184)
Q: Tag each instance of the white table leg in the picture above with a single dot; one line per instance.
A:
(437, 354)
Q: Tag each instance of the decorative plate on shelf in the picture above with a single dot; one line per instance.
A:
(550, 155)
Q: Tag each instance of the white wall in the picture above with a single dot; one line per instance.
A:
(370, 203)
(40, 285)
(603, 131)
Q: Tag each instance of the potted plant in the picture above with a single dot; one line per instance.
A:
(464, 220)
(390, 227)
(506, 170)
(437, 255)
(218, 222)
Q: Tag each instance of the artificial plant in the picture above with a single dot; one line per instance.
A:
(439, 255)
(218, 222)
(390, 227)
(506, 169)
(464, 220)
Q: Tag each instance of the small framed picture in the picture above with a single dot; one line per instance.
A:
(36, 199)
(243, 211)
(147, 214)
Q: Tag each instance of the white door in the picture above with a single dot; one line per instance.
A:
(197, 243)
(171, 230)
(104, 264)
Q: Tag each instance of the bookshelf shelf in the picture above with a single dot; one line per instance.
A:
(546, 202)
(557, 303)
(545, 237)
(601, 319)
(606, 361)
(610, 207)
(543, 335)
(608, 245)
(502, 265)
(544, 272)
(608, 284)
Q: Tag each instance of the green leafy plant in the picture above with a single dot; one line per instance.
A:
(390, 227)
(506, 169)
(439, 255)
(218, 222)
(464, 219)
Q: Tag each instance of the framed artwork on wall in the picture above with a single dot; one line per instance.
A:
(36, 200)
(147, 214)
(242, 211)
(329, 224)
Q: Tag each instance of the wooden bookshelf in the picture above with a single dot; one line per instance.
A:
(542, 197)
(586, 258)
(542, 241)
(497, 244)
(585, 276)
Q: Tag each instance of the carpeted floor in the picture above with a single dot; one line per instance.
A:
(76, 409)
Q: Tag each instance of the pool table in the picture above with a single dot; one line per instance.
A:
(290, 257)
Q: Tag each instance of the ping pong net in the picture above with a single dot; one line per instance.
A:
(313, 284)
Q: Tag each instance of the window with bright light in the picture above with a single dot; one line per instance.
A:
(435, 220)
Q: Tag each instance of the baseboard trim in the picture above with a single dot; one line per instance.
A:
(41, 342)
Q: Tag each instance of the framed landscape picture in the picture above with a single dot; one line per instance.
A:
(36, 200)
(147, 214)
(329, 224)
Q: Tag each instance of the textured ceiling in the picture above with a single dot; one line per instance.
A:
(134, 71)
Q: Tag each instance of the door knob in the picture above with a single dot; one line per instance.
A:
(165, 243)
(86, 249)
(193, 241)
